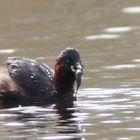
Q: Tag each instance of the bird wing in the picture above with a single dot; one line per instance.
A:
(35, 78)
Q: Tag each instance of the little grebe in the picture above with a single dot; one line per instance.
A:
(24, 78)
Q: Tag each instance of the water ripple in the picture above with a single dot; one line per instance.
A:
(7, 51)
(14, 124)
(111, 121)
(118, 29)
(132, 10)
(124, 66)
(102, 36)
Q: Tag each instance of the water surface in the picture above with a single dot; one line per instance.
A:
(106, 33)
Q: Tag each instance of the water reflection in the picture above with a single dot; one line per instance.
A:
(118, 29)
(59, 119)
(7, 51)
(107, 36)
(119, 67)
(132, 10)
(96, 112)
(102, 36)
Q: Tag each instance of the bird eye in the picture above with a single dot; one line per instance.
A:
(67, 60)
(73, 68)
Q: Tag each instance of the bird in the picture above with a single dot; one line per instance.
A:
(25, 79)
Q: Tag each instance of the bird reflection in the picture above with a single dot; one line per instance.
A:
(47, 120)
(67, 122)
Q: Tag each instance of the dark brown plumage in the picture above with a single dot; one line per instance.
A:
(27, 79)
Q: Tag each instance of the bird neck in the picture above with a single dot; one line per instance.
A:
(63, 79)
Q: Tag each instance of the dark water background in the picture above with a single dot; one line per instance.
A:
(107, 35)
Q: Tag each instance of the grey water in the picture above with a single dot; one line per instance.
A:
(107, 35)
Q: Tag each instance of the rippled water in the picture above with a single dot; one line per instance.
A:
(99, 113)
(107, 35)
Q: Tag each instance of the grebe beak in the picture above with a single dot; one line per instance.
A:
(79, 73)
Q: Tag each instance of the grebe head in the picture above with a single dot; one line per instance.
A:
(69, 69)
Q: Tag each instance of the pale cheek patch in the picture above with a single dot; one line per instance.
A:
(73, 69)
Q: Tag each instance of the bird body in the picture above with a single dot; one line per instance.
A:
(24, 78)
